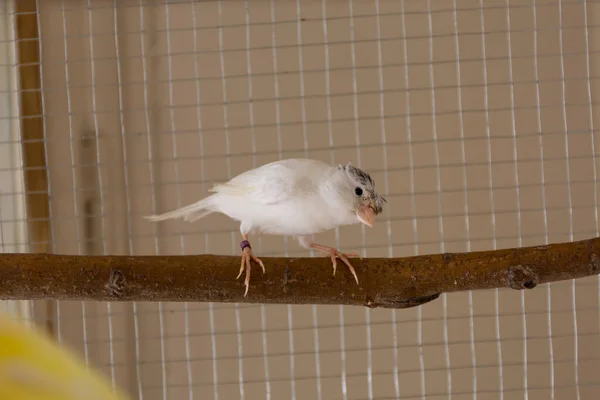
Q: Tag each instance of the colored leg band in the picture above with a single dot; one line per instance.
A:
(244, 244)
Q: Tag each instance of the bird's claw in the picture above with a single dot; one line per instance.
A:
(344, 257)
(334, 254)
(247, 258)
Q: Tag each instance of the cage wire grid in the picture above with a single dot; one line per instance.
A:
(476, 120)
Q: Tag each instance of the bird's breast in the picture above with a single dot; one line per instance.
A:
(299, 219)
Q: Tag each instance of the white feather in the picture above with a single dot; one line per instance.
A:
(189, 213)
(293, 197)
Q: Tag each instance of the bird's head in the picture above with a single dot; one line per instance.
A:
(366, 203)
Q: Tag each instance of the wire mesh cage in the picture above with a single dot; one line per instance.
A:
(476, 120)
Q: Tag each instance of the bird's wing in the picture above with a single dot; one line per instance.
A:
(275, 182)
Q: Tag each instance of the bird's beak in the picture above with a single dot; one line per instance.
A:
(366, 214)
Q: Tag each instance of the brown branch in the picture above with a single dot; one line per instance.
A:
(384, 282)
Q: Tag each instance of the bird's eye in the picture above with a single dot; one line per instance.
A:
(358, 191)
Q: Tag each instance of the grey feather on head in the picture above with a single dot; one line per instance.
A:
(366, 181)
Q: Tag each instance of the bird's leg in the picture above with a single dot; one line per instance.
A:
(247, 256)
(335, 253)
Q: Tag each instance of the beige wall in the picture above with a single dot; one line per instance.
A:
(158, 136)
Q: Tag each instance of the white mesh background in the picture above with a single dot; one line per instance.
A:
(475, 118)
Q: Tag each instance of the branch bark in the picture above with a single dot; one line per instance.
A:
(384, 282)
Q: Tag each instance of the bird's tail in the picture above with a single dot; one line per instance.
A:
(189, 213)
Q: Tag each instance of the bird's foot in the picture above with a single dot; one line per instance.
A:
(247, 258)
(335, 254)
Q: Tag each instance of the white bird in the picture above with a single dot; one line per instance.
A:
(293, 197)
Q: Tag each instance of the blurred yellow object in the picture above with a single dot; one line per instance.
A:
(33, 367)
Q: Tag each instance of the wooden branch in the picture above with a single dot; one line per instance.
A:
(384, 282)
